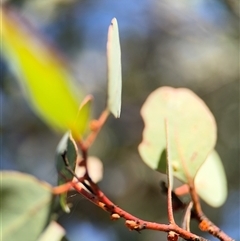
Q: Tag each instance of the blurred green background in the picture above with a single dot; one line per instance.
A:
(193, 44)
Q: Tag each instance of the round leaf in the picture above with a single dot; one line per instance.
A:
(210, 181)
(114, 70)
(192, 130)
(25, 206)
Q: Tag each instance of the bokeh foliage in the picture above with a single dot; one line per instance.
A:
(191, 44)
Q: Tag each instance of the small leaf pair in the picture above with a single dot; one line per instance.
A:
(192, 137)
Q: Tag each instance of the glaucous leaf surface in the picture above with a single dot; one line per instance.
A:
(211, 182)
(192, 132)
(114, 70)
(25, 206)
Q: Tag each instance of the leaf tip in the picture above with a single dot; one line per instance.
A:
(114, 21)
(117, 114)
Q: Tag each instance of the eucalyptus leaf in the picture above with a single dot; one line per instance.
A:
(25, 206)
(43, 74)
(192, 136)
(66, 159)
(211, 182)
(114, 69)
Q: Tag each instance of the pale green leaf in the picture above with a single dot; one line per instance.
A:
(192, 125)
(25, 206)
(210, 181)
(114, 70)
(46, 81)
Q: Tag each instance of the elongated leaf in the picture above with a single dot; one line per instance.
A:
(192, 125)
(66, 157)
(211, 182)
(25, 206)
(114, 70)
(47, 83)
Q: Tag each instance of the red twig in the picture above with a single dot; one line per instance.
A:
(96, 196)
(96, 127)
(84, 145)
(204, 223)
(132, 222)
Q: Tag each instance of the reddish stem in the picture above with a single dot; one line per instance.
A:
(96, 196)
(204, 223)
(132, 222)
(84, 145)
(98, 125)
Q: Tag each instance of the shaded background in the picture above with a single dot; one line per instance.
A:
(193, 44)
